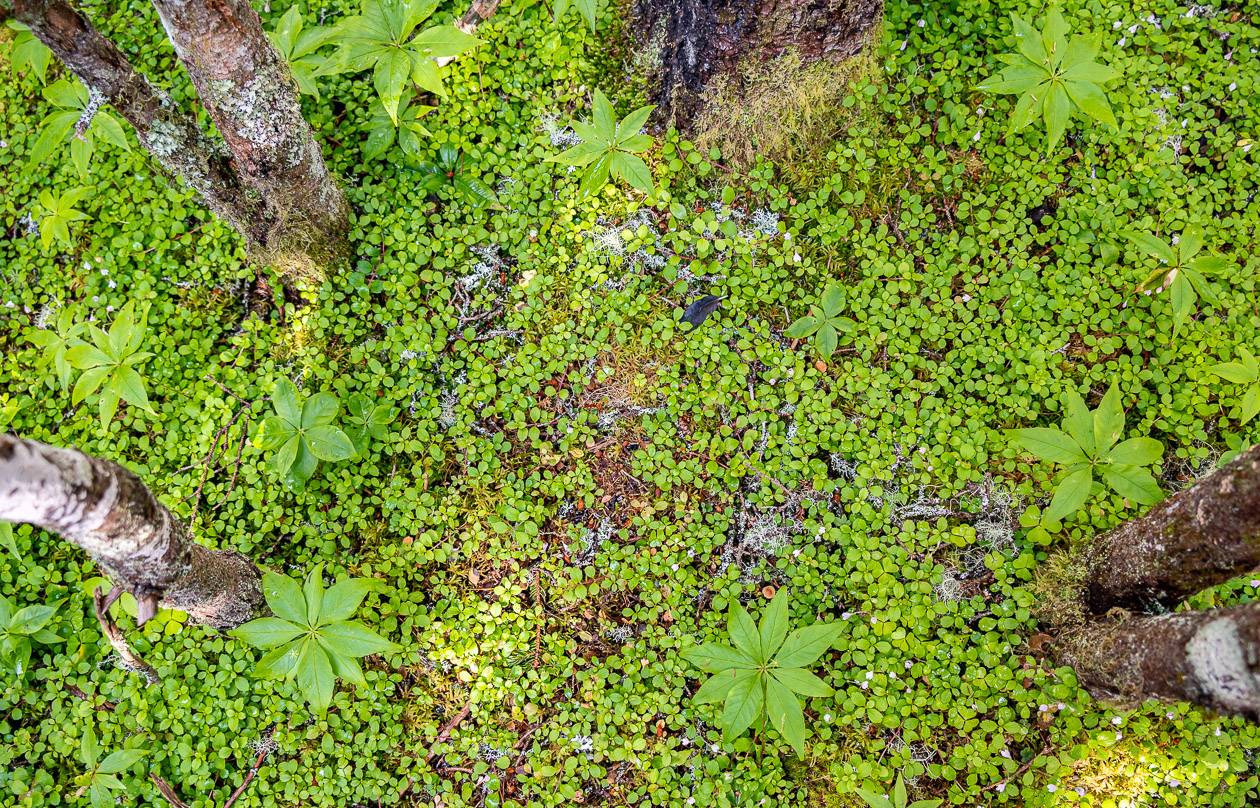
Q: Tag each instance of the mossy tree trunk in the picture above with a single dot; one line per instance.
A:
(1199, 537)
(271, 183)
(1209, 657)
(108, 512)
(246, 87)
(700, 40)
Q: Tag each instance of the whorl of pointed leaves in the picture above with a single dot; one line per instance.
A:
(763, 671)
(1052, 75)
(898, 799)
(1246, 371)
(610, 147)
(311, 639)
(1182, 271)
(1086, 447)
(824, 322)
(100, 777)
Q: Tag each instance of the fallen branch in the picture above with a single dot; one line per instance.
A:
(130, 660)
(445, 733)
(263, 751)
(165, 789)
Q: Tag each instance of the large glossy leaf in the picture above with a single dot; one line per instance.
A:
(1108, 420)
(713, 657)
(353, 639)
(343, 598)
(1072, 493)
(266, 632)
(743, 631)
(1051, 445)
(744, 704)
(801, 681)
(284, 596)
(329, 443)
(1137, 452)
(804, 645)
(784, 710)
(774, 625)
(314, 675)
(717, 687)
(1134, 483)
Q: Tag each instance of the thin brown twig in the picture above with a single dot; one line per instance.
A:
(445, 732)
(263, 751)
(105, 706)
(165, 789)
(131, 661)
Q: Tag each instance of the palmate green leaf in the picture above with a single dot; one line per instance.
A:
(1181, 297)
(713, 657)
(801, 681)
(1057, 112)
(266, 632)
(99, 796)
(475, 192)
(1016, 79)
(313, 594)
(596, 175)
(1190, 242)
(632, 170)
(353, 639)
(284, 596)
(1071, 494)
(785, 713)
(1244, 371)
(26, 53)
(1028, 41)
(390, 76)
(1079, 424)
(1249, 405)
(826, 340)
(1049, 444)
(1090, 99)
(121, 760)
(284, 460)
(314, 676)
(284, 398)
(1053, 35)
(1133, 482)
(302, 469)
(273, 433)
(89, 749)
(343, 598)
(802, 327)
(347, 668)
(281, 662)
(444, 41)
(717, 687)
(603, 117)
(804, 646)
(1137, 452)
(630, 126)
(743, 632)
(1152, 245)
(774, 625)
(30, 619)
(583, 154)
(328, 443)
(745, 702)
(1108, 420)
(873, 799)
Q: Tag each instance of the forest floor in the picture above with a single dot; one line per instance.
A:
(576, 486)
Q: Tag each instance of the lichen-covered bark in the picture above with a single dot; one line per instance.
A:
(246, 87)
(108, 511)
(1210, 658)
(699, 39)
(1199, 537)
(170, 134)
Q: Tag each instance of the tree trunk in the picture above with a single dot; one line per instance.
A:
(246, 87)
(702, 39)
(1199, 537)
(145, 550)
(1210, 658)
(171, 135)
(272, 185)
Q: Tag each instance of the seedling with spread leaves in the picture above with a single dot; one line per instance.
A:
(1182, 271)
(109, 364)
(57, 213)
(55, 343)
(367, 420)
(99, 781)
(586, 8)
(824, 322)
(299, 45)
(77, 121)
(1086, 447)
(1052, 76)
(764, 672)
(311, 639)
(1245, 370)
(610, 147)
(382, 37)
(451, 170)
(301, 433)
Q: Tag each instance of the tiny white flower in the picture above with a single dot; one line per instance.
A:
(1052, 788)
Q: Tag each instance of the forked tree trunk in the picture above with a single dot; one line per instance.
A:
(1199, 537)
(170, 134)
(142, 547)
(699, 40)
(1210, 658)
(246, 87)
(271, 184)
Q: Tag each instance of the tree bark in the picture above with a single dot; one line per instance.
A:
(700, 39)
(1199, 537)
(246, 87)
(1209, 657)
(143, 547)
(170, 134)
(272, 184)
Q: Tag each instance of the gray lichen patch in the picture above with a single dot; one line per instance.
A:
(1222, 666)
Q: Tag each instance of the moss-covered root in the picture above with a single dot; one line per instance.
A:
(1209, 657)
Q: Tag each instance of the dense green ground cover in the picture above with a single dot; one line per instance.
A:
(577, 486)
